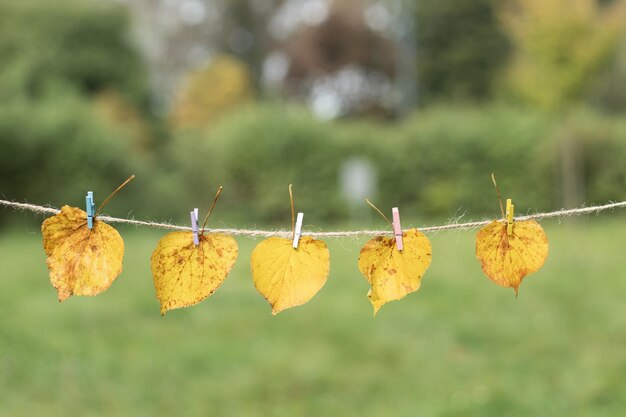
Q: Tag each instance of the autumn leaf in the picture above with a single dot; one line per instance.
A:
(507, 259)
(392, 274)
(185, 274)
(289, 277)
(81, 261)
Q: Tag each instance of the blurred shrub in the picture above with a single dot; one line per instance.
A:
(601, 144)
(255, 153)
(55, 149)
(77, 44)
(436, 164)
(444, 157)
(222, 84)
(74, 111)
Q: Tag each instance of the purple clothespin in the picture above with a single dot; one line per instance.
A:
(194, 226)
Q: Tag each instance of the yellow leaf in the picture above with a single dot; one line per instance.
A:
(185, 274)
(392, 274)
(505, 259)
(81, 261)
(289, 277)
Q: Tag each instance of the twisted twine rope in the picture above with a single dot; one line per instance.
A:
(342, 233)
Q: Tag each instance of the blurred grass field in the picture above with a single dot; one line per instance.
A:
(461, 346)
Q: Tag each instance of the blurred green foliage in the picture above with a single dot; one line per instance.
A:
(560, 47)
(52, 148)
(74, 117)
(64, 68)
(460, 49)
(434, 163)
(74, 45)
(224, 82)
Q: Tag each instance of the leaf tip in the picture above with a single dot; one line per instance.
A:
(377, 307)
(63, 295)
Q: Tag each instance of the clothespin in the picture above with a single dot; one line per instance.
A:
(297, 230)
(510, 209)
(194, 226)
(397, 229)
(91, 209)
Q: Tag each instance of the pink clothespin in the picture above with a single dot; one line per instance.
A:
(397, 229)
(194, 226)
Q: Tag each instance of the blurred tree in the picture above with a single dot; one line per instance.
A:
(74, 100)
(222, 84)
(80, 45)
(460, 49)
(340, 64)
(114, 109)
(245, 31)
(560, 48)
(178, 36)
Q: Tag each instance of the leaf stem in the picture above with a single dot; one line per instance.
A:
(493, 178)
(105, 202)
(379, 212)
(206, 219)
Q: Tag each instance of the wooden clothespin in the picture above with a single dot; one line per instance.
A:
(397, 229)
(194, 226)
(510, 209)
(91, 209)
(297, 230)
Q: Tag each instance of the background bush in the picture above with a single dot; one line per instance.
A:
(434, 164)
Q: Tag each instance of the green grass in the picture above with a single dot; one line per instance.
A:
(461, 346)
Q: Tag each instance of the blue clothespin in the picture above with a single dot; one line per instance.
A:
(91, 209)
(194, 226)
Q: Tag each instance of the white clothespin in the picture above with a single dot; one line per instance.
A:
(91, 209)
(397, 229)
(194, 226)
(297, 230)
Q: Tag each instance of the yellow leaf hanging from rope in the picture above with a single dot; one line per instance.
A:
(508, 250)
(507, 259)
(188, 267)
(289, 272)
(185, 274)
(286, 276)
(81, 261)
(391, 273)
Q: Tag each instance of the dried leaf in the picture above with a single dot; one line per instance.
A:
(505, 259)
(391, 273)
(289, 277)
(185, 274)
(81, 261)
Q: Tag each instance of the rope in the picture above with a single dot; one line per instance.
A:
(342, 233)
